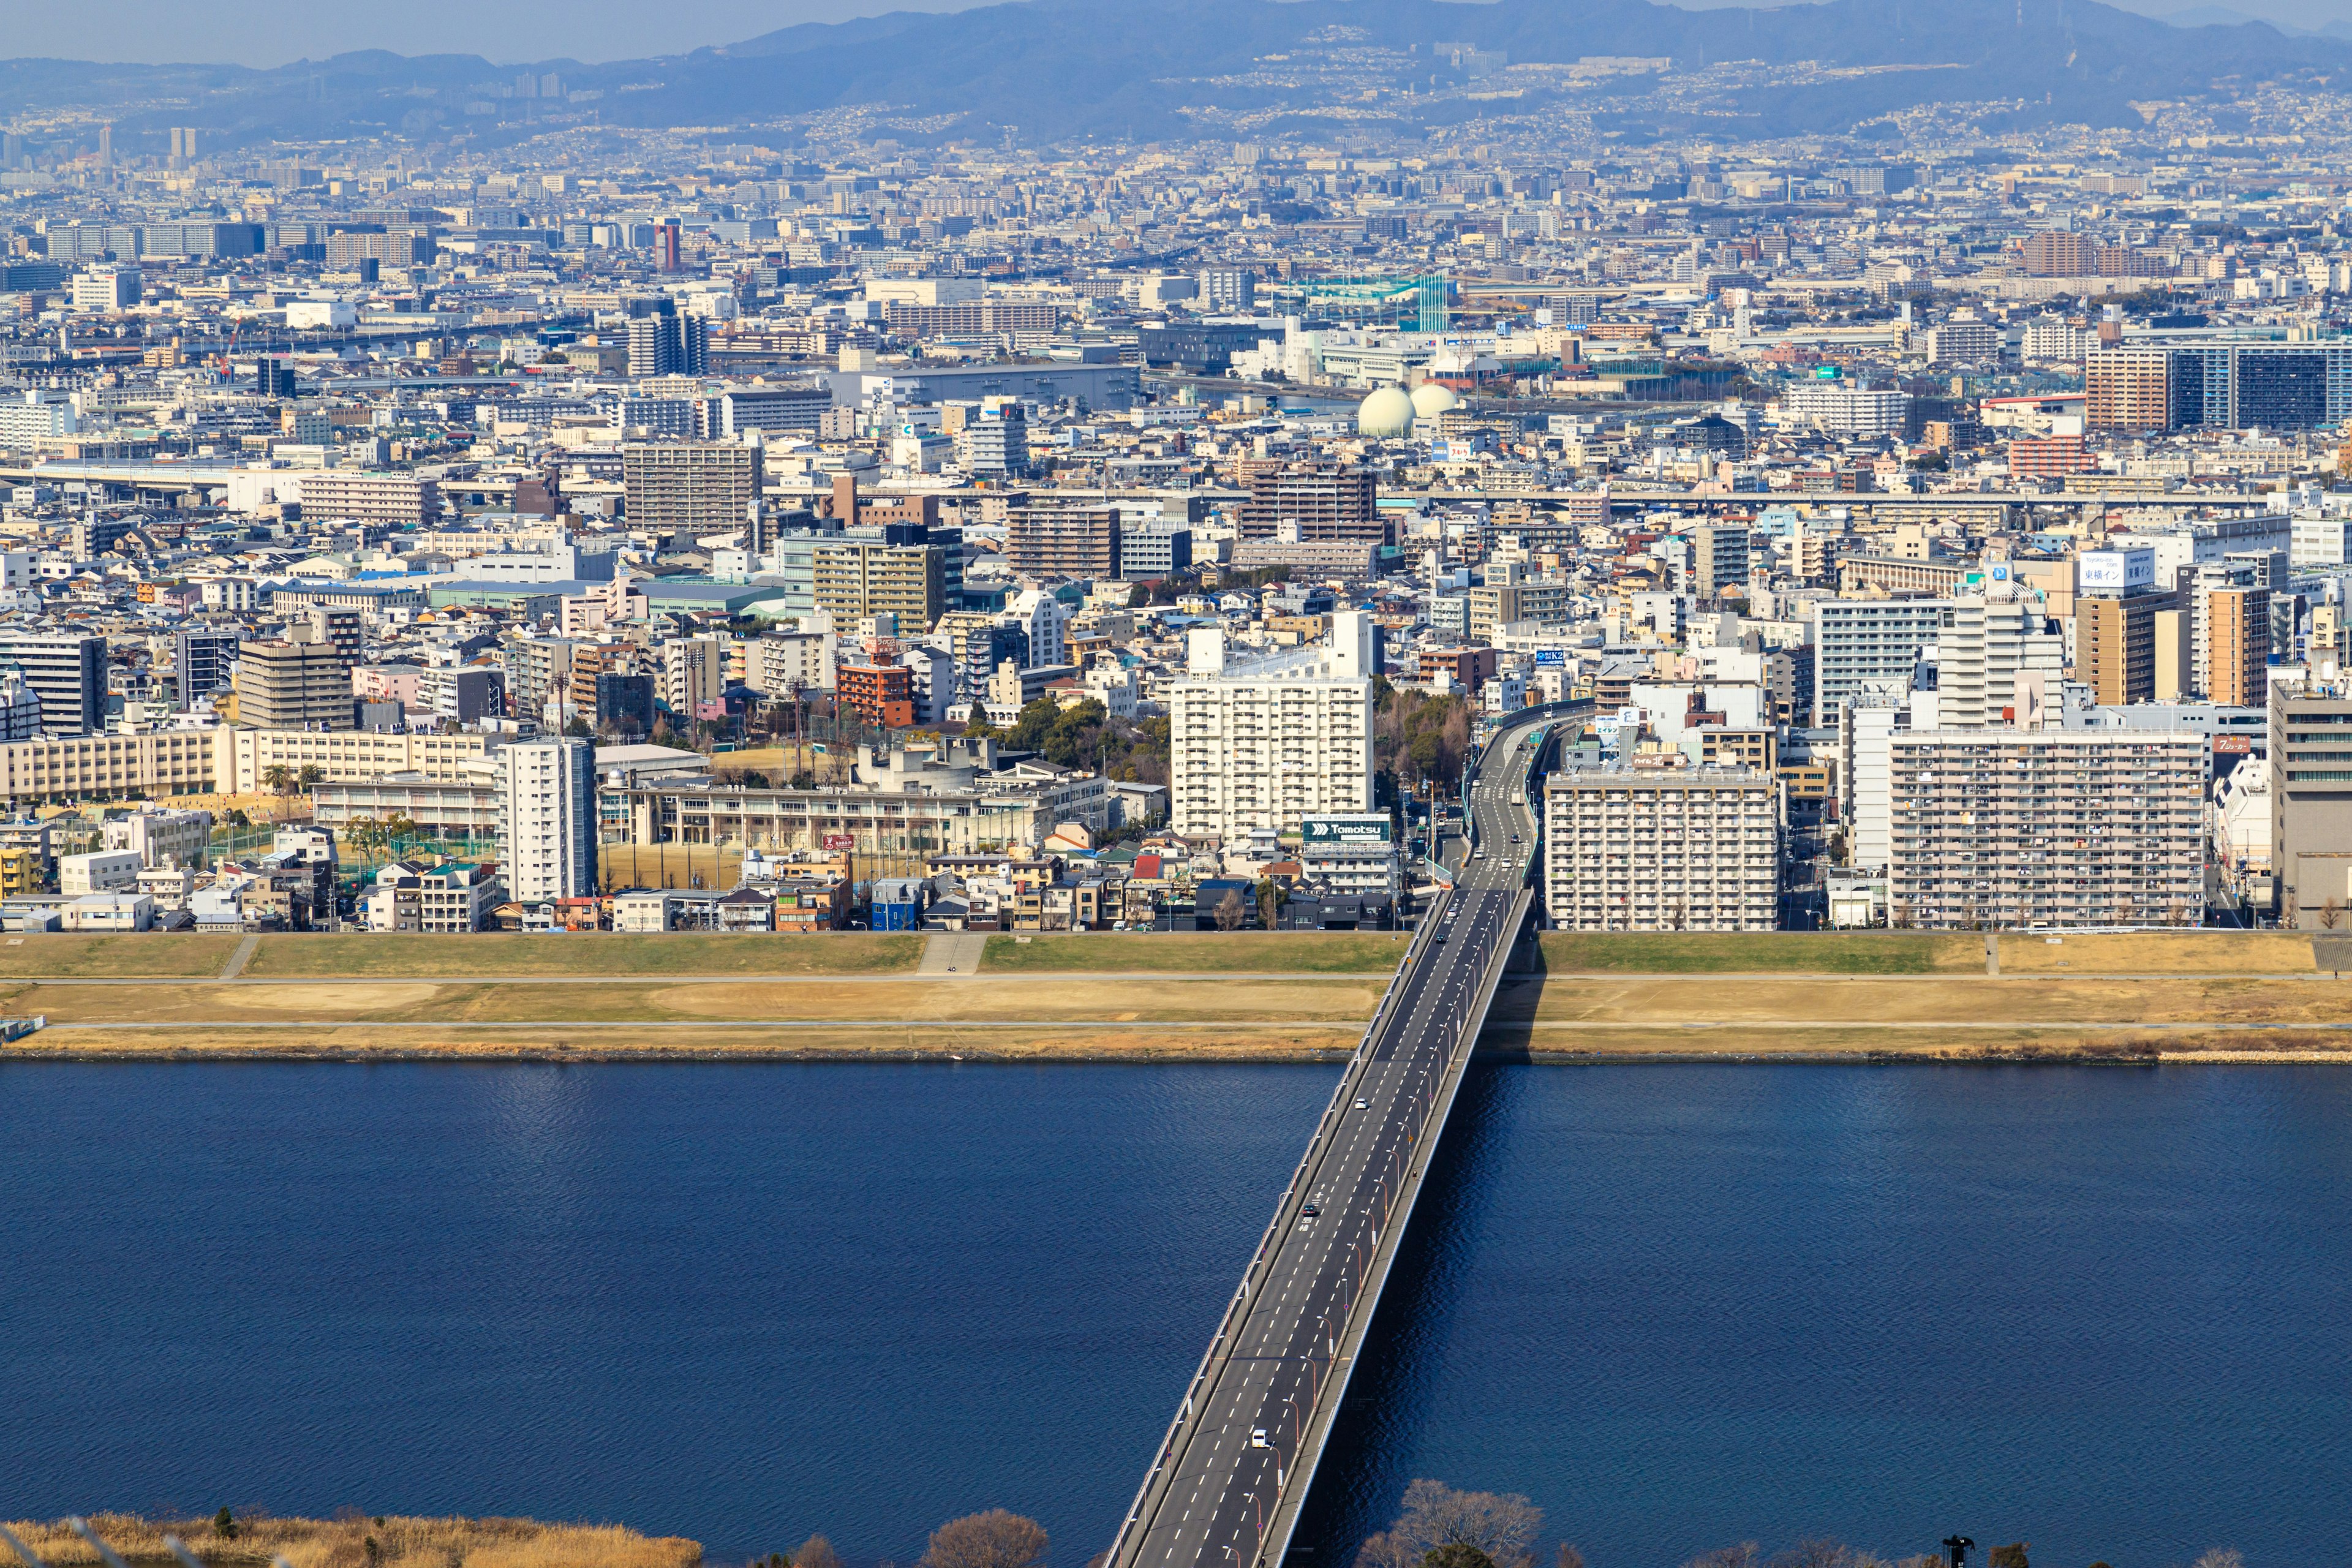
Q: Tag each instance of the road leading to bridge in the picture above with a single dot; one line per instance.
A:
(1225, 1487)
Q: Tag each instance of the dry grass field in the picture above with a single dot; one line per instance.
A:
(1828, 953)
(2160, 952)
(1249, 996)
(589, 956)
(145, 956)
(641, 1042)
(1941, 1000)
(979, 1000)
(381, 1543)
(1178, 952)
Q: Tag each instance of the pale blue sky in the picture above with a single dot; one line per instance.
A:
(274, 32)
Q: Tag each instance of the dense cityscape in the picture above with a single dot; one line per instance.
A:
(1815, 535)
(1858, 493)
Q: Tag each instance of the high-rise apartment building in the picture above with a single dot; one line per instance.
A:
(1311, 501)
(1869, 644)
(1043, 537)
(1634, 847)
(2238, 646)
(547, 819)
(66, 672)
(302, 682)
(2046, 827)
(354, 495)
(2055, 253)
(690, 486)
(1989, 645)
(854, 579)
(1718, 558)
(668, 345)
(2126, 389)
(1225, 289)
(882, 695)
(203, 660)
(1266, 744)
(407, 247)
(995, 442)
(1964, 343)
(2310, 763)
(693, 671)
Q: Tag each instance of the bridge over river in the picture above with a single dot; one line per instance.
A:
(1225, 1487)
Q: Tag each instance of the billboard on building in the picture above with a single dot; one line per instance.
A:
(841, 841)
(2116, 571)
(1327, 832)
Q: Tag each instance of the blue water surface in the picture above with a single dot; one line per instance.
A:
(2102, 1310)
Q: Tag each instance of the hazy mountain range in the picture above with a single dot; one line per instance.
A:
(1066, 69)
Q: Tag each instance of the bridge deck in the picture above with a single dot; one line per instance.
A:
(1228, 1483)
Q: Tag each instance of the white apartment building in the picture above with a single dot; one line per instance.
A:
(1268, 744)
(547, 819)
(693, 671)
(1844, 409)
(358, 495)
(1985, 646)
(2321, 540)
(104, 290)
(2050, 339)
(161, 838)
(34, 416)
(2046, 827)
(1865, 733)
(98, 871)
(1637, 847)
(1868, 643)
(780, 663)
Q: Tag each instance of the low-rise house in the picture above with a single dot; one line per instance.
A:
(110, 912)
(458, 896)
(745, 910)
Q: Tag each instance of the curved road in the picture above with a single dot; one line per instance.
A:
(1227, 1469)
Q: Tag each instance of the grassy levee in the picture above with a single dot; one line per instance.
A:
(1195, 953)
(2161, 952)
(1234, 1042)
(1323, 1000)
(97, 956)
(411, 956)
(1954, 1002)
(1785, 952)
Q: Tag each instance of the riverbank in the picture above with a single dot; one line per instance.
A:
(2122, 998)
(384, 1542)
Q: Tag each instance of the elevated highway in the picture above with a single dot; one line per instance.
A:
(1225, 1486)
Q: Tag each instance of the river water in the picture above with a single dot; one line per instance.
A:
(2099, 1310)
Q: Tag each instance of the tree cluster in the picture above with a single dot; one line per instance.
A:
(996, 1539)
(1419, 738)
(1442, 1528)
(1083, 735)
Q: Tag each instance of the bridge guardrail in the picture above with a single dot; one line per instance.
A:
(1315, 1144)
(1273, 1545)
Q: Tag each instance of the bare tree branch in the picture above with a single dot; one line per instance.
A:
(997, 1538)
